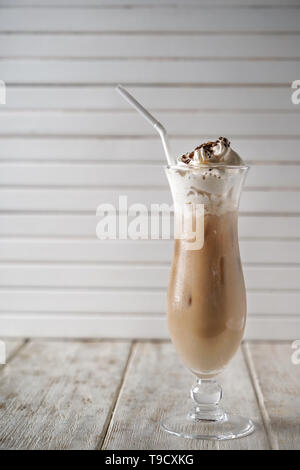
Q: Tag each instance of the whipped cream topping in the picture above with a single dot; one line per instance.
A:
(217, 152)
(208, 176)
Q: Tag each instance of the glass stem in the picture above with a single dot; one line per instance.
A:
(206, 395)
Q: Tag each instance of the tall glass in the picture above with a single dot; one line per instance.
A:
(206, 296)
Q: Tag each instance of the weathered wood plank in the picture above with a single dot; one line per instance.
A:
(59, 395)
(156, 385)
(12, 347)
(277, 383)
(239, 398)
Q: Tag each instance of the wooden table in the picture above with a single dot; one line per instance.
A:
(112, 394)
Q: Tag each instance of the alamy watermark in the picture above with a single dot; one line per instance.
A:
(2, 352)
(138, 222)
(295, 97)
(295, 358)
(2, 92)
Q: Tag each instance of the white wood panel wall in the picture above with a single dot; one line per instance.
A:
(68, 143)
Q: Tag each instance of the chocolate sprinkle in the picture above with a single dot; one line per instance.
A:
(208, 150)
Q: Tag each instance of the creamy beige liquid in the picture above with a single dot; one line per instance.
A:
(206, 297)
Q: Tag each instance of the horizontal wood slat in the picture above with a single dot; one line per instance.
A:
(148, 71)
(89, 302)
(153, 251)
(85, 226)
(130, 123)
(149, 3)
(174, 98)
(32, 174)
(134, 326)
(110, 149)
(124, 276)
(73, 301)
(159, 46)
(76, 200)
(152, 19)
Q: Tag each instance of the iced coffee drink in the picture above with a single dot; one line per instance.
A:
(206, 296)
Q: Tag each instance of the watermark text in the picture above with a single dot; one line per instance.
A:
(295, 97)
(161, 221)
(295, 358)
(2, 92)
(2, 352)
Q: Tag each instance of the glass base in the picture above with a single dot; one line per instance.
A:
(226, 427)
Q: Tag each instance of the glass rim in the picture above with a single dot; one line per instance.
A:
(206, 166)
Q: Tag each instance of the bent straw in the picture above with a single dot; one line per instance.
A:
(154, 122)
